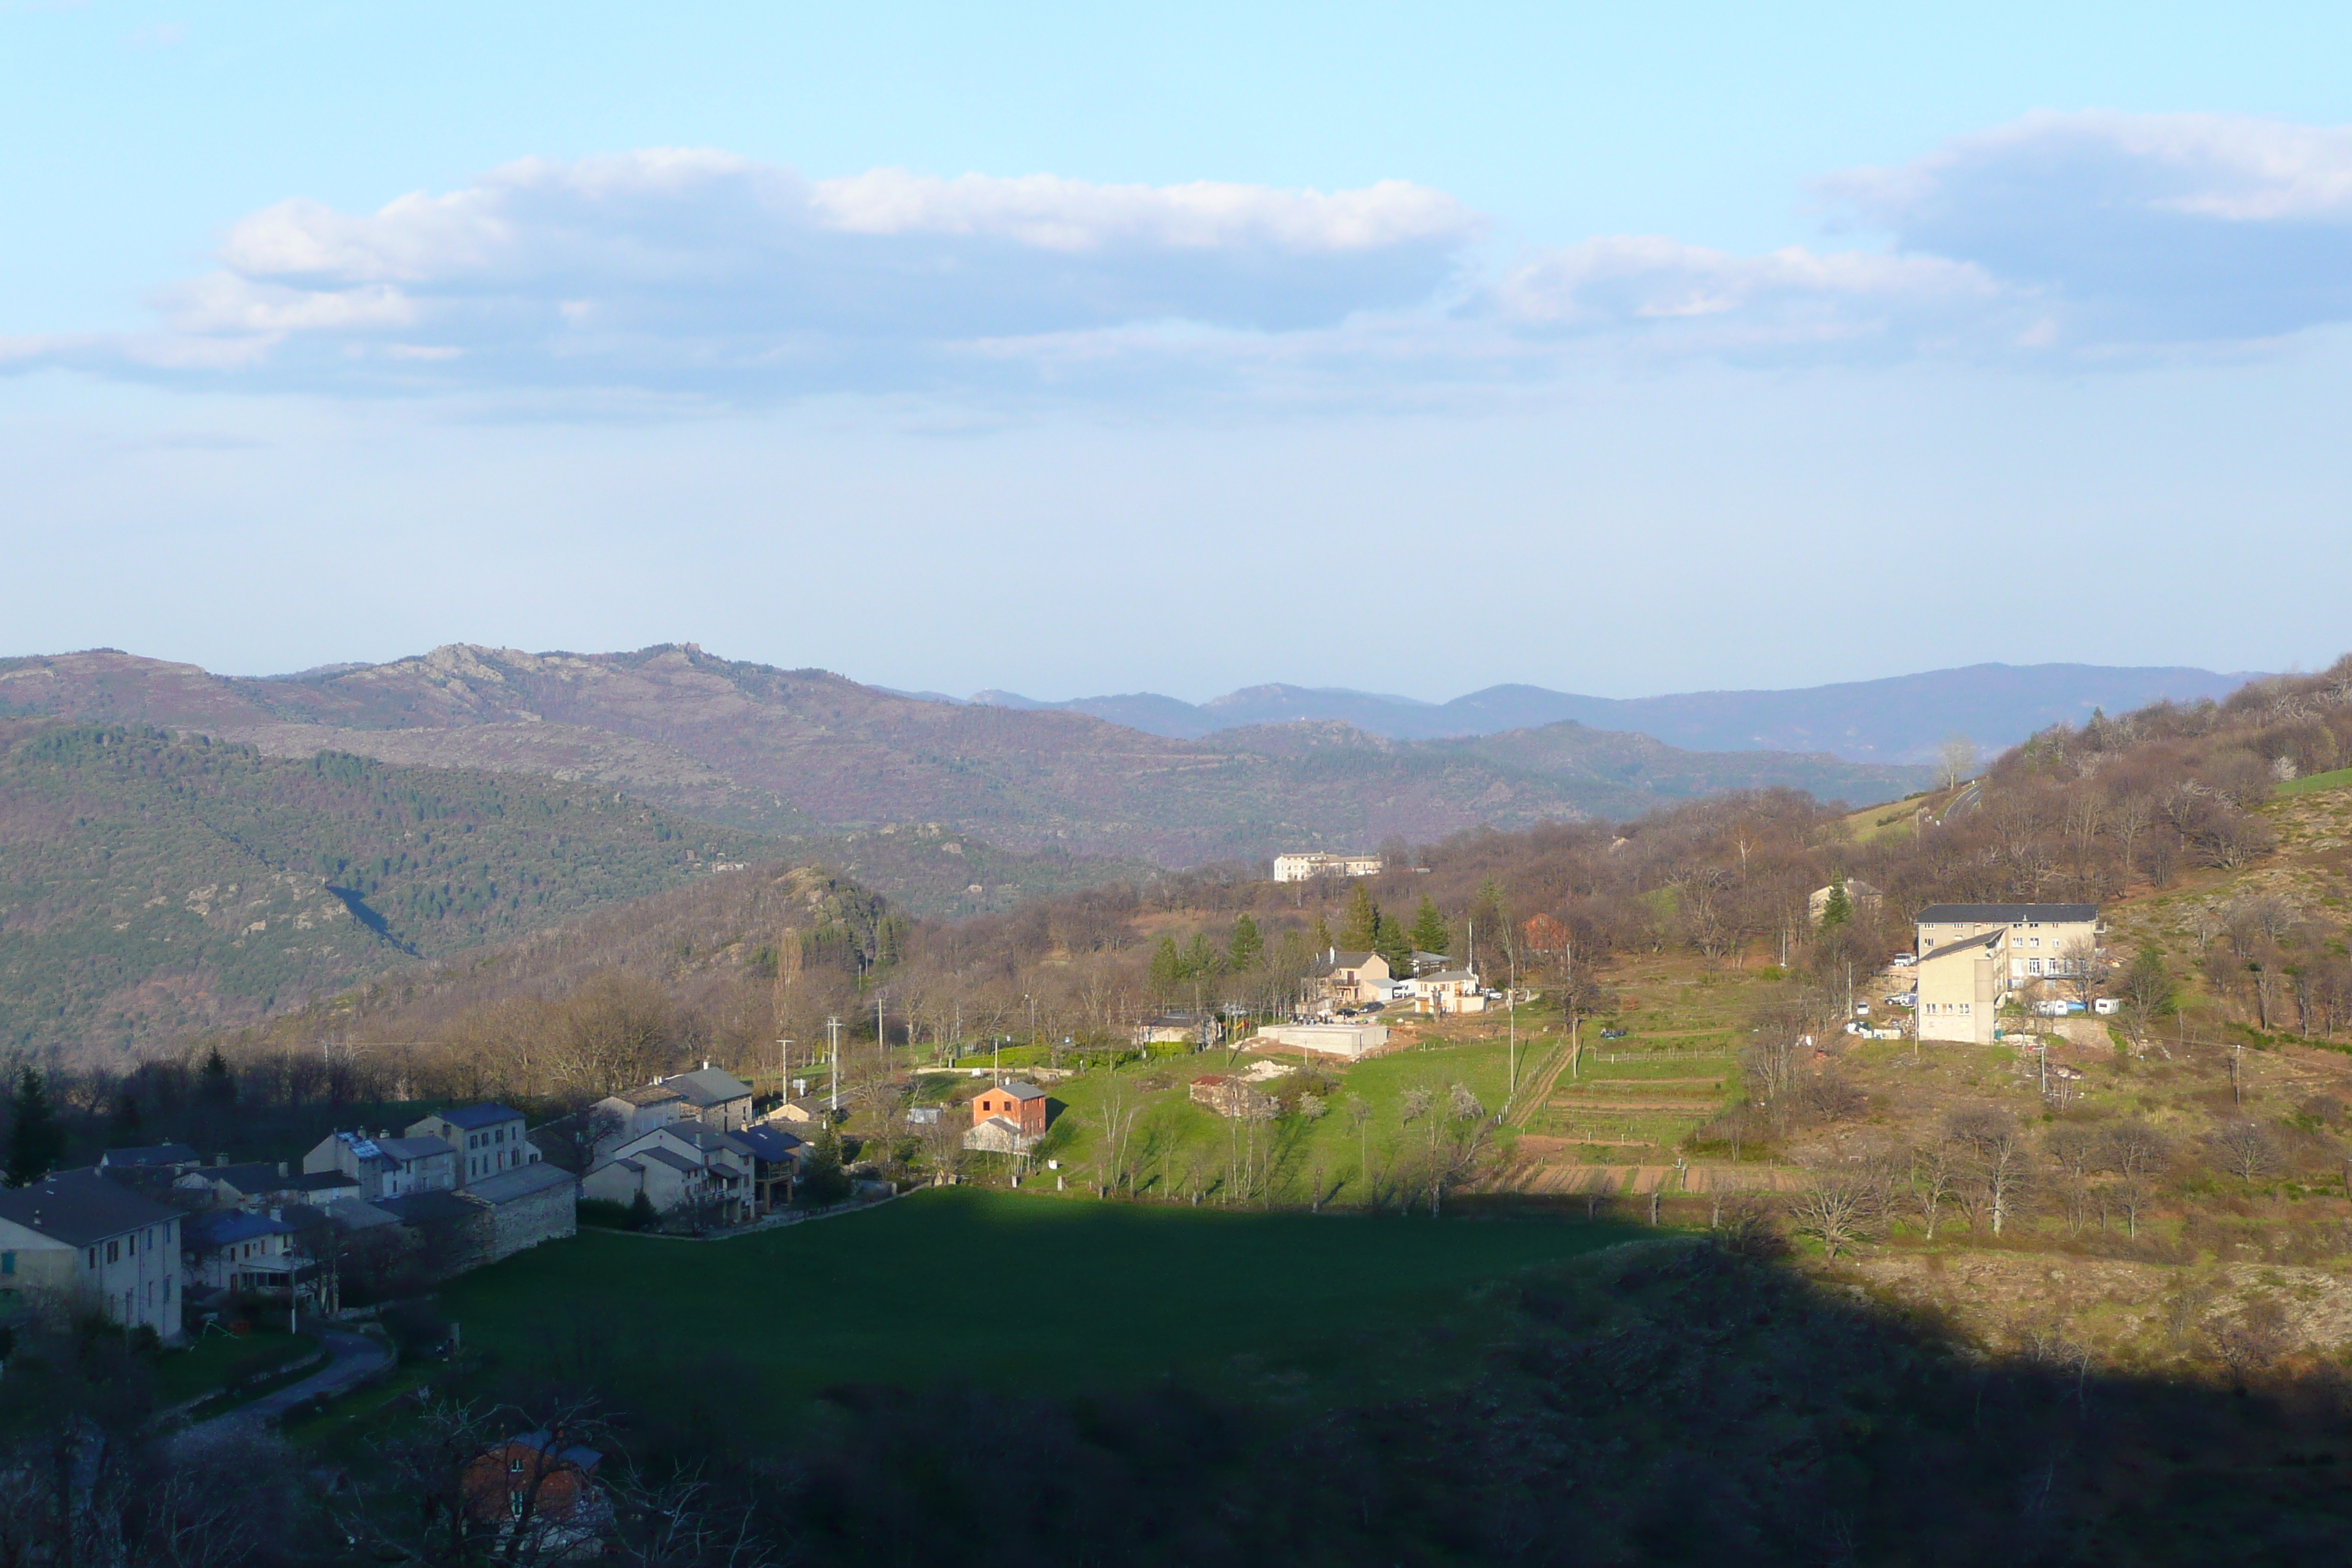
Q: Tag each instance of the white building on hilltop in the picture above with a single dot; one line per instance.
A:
(1306, 867)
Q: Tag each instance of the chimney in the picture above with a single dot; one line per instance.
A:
(706, 1064)
(220, 1159)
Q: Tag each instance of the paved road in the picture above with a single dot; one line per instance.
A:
(1965, 802)
(352, 1358)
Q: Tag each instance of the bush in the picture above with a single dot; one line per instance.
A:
(605, 1213)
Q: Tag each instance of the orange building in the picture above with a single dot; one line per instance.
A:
(1022, 1104)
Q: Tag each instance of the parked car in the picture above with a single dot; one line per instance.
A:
(1904, 999)
(1902, 961)
(1861, 1009)
(1614, 1034)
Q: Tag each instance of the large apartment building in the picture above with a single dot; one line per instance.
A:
(1972, 956)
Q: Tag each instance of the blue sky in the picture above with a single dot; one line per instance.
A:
(1088, 349)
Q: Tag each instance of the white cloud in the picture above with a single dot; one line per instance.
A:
(2138, 230)
(1712, 299)
(686, 274)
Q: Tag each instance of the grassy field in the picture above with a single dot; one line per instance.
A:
(216, 1358)
(1180, 1148)
(1018, 1291)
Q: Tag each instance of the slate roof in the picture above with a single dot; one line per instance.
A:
(78, 1207)
(651, 1094)
(254, 1177)
(327, 1182)
(1983, 940)
(412, 1148)
(769, 1142)
(522, 1181)
(474, 1118)
(352, 1215)
(1020, 1091)
(2006, 914)
(541, 1442)
(226, 1227)
(1351, 960)
(707, 1087)
(672, 1158)
(151, 1155)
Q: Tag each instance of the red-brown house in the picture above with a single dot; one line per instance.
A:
(1022, 1104)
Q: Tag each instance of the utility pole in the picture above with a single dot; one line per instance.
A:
(784, 1068)
(833, 1028)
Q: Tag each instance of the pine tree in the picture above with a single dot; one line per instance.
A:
(1320, 936)
(215, 1086)
(1247, 947)
(1839, 908)
(1201, 956)
(35, 1139)
(1166, 968)
(1360, 928)
(822, 1180)
(1429, 932)
(1391, 944)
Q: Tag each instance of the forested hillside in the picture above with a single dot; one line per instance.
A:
(150, 887)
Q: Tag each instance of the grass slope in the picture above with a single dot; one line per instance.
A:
(1019, 1291)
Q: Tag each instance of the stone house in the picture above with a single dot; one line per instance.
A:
(79, 1241)
(234, 1250)
(679, 1165)
(523, 1205)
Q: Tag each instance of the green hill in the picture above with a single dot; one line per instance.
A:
(150, 887)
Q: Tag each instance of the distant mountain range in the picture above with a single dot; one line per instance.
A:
(806, 753)
(1901, 719)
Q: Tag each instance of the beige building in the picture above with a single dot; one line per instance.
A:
(1961, 986)
(2039, 942)
(488, 1140)
(1306, 867)
(1447, 991)
(1351, 979)
(1350, 1040)
(77, 1241)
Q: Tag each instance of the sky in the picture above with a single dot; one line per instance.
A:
(1073, 349)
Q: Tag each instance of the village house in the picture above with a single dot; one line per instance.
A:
(488, 1139)
(1306, 867)
(545, 1489)
(1007, 1119)
(167, 1158)
(709, 1095)
(1445, 991)
(1174, 1029)
(679, 1165)
(234, 1250)
(385, 1167)
(776, 1157)
(800, 1112)
(1351, 980)
(79, 1241)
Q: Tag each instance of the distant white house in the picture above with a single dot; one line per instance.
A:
(1306, 867)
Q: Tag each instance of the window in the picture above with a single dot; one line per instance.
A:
(8, 1263)
(114, 1251)
(167, 1289)
(94, 1258)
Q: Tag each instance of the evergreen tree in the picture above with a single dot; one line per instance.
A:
(35, 1139)
(215, 1086)
(642, 1214)
(1320, 937)
(1246, 946)
(1360, 928)
(1201, 956)
(1391, 942)
(2148, 983)
(1166, 968)
(1429, 932)
(1839, 908)
(822, 1180)
(126, 1128)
